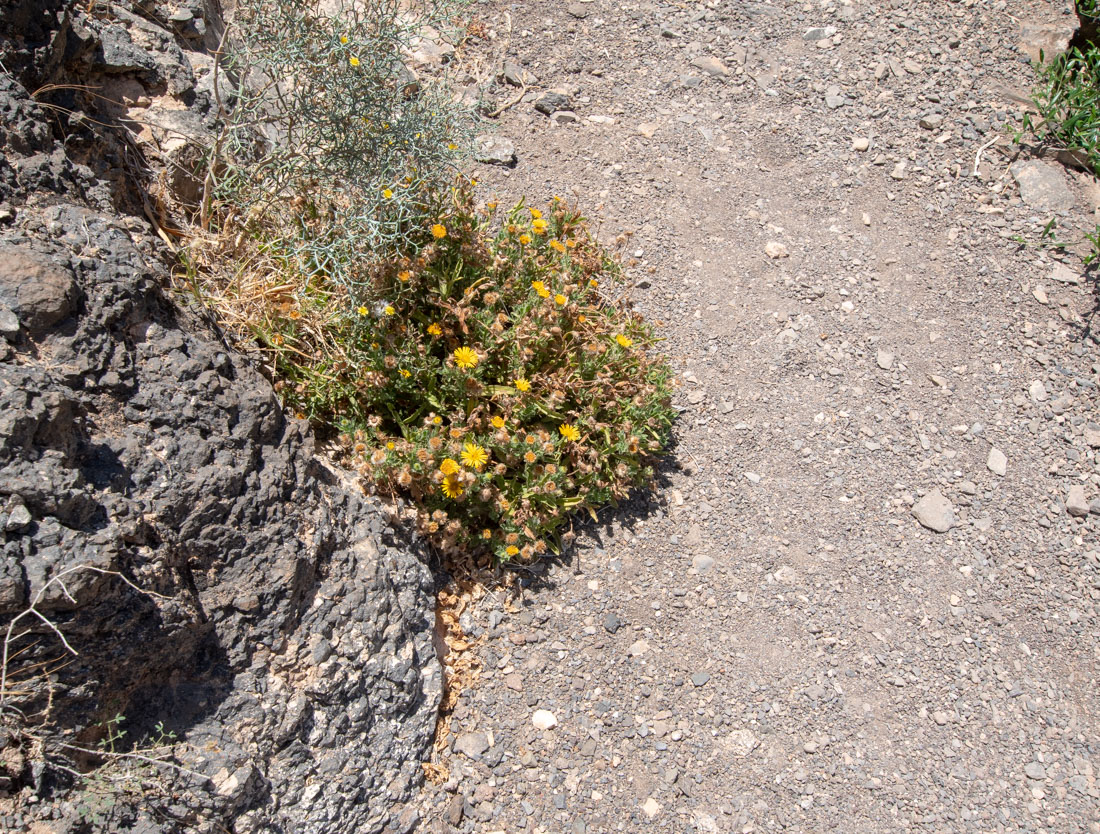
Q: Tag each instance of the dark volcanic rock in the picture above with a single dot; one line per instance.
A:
(283, 630)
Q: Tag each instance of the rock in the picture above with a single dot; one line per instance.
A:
(932, 121)
(935, 512)
(651, 808)
(9, 323)
(817, 33)
(1064, 275)
(17, 515)
(612, 623)
(638, 648)
(1077, 504)
(1037, 391)
(39, 290)
(577, 10)
(1035, 771)
(472, 745)
(775, 250)
(834, 99)
(741, 742)
(564, 117)
(553, 100)
(1042, 185)
(1048, 38)
(884, 359)
(494, 150)
(997, 462)
(700, 678)
(702, 564)
(898, 172)
(647, 129)
(711, 66)
(1092, 437)
(861, 143)
(543, 719)
(517, 76)
(1040, 295)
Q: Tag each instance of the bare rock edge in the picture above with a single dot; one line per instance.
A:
(289, 640)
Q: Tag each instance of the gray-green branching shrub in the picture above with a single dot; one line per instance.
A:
(330, 146)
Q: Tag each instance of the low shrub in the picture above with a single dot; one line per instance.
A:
(488, 376)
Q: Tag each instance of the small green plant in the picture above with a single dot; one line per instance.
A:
(488, 375)
(1067, 100)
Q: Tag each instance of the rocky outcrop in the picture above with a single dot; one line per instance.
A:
(282, 629)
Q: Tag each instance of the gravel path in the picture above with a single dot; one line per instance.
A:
(865, 597)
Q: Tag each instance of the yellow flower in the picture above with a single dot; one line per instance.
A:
(593, 283)
(404, 276)
(560, 300)
(511, 550)
(389, 310)
(525, 239)
(529, 457)
(387, 193)
(582, 318)
(405, 373)
(491, 205)
(522, 384)
(486, 533)
(498, 422)
(439, 231)
(540, 288)
(361, 310)
(569, 432)
(474, 456)
(343, 39)
(434, 329)
(452, 488)
(391, 446)
(557, 246)
(353, 61)
(539, 226)
(449, 467)
(437, 420)
(465, 357)
(452, 146)
(535, 213)
(623, 341)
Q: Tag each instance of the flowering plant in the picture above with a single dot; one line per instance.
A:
(487, 376)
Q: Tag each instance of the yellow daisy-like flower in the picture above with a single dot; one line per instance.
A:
(474, 456)
(512, 550)
(295, 315)
(491, 205)
(353, 61)
(497, 422)
(593, 283)
(525, 239)
(465, 357)
(391, 446)
(557, 246)
(452, 488)
(439, 231)
(404, 276)
(449, 467)
(540, 288)
(343, 39)
(569, 432)
(387, 193)
(361, 310)
(623, 340)
(530, 457)
(539, 226)
(535, 214)
(437, 420)
(434, 329)
(560, 300)
(522, 384)
(582, 318)
(389, 310)
(405, 373)
(486, 533)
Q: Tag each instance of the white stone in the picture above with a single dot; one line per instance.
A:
(997, 462)
(543, 719)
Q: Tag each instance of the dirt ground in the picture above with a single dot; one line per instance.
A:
(864, 597)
